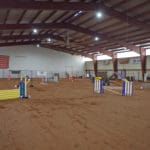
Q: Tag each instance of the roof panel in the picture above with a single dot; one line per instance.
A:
(28, 16)
(82, 27)
(81, 19)
(43, 15)
(53, 17)
(130, 4)
(13, 16)
(105, 23)
(2, 15)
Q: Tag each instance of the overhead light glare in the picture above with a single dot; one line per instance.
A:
(98, 14)
(35, 31)
(49, 40)
(38, 45)
(96, 38)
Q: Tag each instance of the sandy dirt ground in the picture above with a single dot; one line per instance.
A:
(68, 116)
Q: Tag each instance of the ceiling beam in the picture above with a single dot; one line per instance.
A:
(31, 26)
(124, 17)
(47, 26)
(106, 37)
(18, 43)
(69, 26)
(31, 37)
(56, 37)
(77, 6)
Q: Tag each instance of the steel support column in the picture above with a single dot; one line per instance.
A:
(115, 62)
(95, 64)
(143, 61)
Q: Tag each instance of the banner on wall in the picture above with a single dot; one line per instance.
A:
(4, 62)
(124, 61)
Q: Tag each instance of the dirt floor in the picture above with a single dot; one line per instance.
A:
(68, 116)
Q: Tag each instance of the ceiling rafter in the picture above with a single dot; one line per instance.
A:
(49, 16)
(115, 24)
(125, 18)
(120, 3)
(56, 37)
(102, 36)
(70, 16)
(22, 15)
(132, 9)
(7, 14)
(90, 6)
(143, 14)
(18, 43)
(39, 36)
(38, 13)
(72, 27)
(61, 16)
(144, 35)
(127, 34)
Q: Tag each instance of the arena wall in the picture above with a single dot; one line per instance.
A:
(27, 58)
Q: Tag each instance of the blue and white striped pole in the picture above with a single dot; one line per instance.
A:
(23, 88)
(127, 88)
(98, 85)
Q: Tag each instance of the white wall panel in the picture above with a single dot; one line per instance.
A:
(33, 58)
(133, 68)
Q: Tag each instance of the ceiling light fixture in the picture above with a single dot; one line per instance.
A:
(35, 31)
(98, 14)
(38, 45)
(96, 38)
(49, 40)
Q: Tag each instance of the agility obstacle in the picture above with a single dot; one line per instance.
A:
(114, 90)
(16, 93)
(23, 87)
(144, 85)
(127, 88)
(98, 85)
(9, 94)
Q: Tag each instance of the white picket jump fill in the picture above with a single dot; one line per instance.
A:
(127, 88)
(98, 85)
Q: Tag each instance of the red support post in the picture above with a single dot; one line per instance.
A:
(115, 62)
(143, 61)
(95, 64)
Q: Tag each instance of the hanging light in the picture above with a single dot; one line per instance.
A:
(49, 39)
(96, 38)
(98, 14)
(35, 31)
(38, 45)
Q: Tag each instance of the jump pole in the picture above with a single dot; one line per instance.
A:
(127, 88)
(23, 88)
(98, 85)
